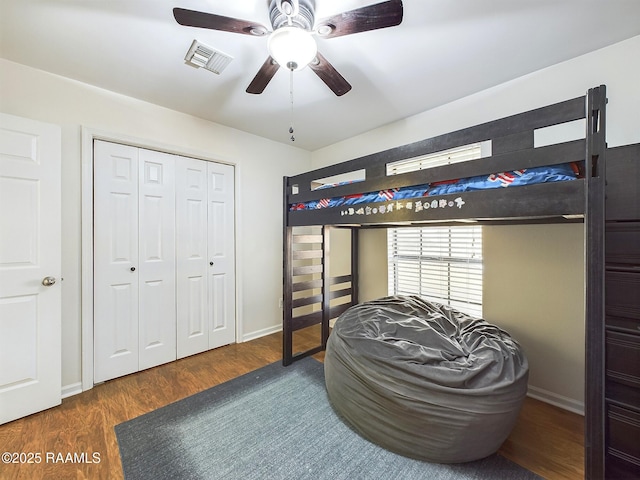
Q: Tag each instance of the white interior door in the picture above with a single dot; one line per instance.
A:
(115, 264)
(134, 260)
(205, 255)
(221, 251)
(30, 267)
(157, 252)
(191, 256)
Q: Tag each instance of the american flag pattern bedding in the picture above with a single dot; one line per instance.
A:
(514, 178)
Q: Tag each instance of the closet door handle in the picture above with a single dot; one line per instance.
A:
(133, 269)
(211, 263)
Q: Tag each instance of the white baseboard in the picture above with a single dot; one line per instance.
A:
(563, 402)
(72, 389)
(261, 333)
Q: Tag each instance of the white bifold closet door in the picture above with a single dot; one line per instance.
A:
(134, 260)
(164, 259)
(205, 256)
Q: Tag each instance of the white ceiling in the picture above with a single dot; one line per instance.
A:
(442, 51)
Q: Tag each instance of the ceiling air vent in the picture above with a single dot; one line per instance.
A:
(200, 55)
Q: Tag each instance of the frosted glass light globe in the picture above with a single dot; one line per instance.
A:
(292, 47)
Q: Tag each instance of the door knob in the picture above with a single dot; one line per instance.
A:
(48, 281)
(211, 263)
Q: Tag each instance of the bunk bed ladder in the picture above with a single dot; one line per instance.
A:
(594, 279)
(311, 296)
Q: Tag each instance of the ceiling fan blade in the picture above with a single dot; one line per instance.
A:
(263, 77)
(192, 18)
(372, 17)
(330, 75)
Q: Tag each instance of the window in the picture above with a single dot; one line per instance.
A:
(439, 264)
(446, 157)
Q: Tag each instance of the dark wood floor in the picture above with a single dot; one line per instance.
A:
(546, 440)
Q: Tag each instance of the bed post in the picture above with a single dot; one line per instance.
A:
(354, 266)
(594, 282)
(287, 287)
(326, 287)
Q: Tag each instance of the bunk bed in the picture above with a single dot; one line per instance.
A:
(311, 296)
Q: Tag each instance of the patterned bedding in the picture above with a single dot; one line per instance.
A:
(514, 178)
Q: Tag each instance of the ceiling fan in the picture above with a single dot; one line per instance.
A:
(291, 43)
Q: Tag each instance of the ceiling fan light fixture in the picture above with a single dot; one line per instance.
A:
(292, 47)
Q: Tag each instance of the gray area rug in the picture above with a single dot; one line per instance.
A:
(273, 423)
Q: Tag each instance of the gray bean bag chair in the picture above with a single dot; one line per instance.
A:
(424, 380)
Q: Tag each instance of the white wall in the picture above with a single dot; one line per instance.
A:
(616, 66)
(548, 285)
(534, 289)
(260, 166)
(372, 264)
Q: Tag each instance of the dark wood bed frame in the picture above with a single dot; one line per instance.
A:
(312, 296)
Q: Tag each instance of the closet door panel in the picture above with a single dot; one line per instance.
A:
(156, 221)
(115, 254)
(221, 226)
(220, 307)
(192, 258)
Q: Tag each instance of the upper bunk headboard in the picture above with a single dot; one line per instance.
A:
(512, 148)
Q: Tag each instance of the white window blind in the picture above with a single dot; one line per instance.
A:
(439, 264)
(446, 157)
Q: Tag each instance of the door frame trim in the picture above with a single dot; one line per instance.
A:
(86, 296)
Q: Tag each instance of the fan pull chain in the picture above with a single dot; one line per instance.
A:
(293, 139)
